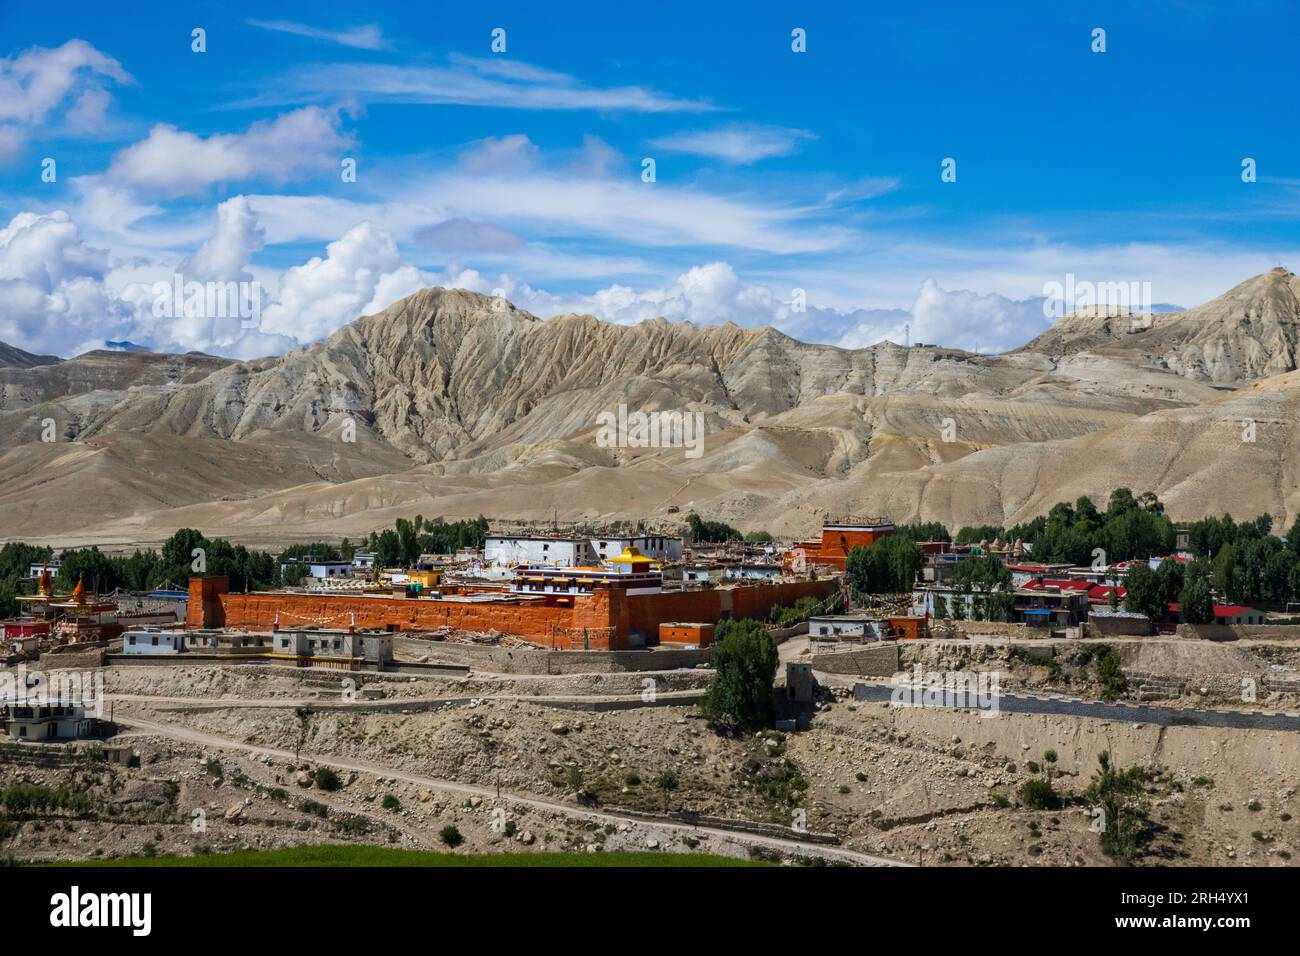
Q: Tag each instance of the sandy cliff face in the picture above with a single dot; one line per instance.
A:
(459, 405)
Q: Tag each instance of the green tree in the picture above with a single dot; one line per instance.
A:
(1223, 574)
(1170, 576)
(1195, 605)
(887, 567)
(1144, 591)
(744, 666)
(710, 532)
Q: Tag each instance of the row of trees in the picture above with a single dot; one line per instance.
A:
(402, 545)
(186, 552)
(1130, 527)
(719, 532)
(190, 552)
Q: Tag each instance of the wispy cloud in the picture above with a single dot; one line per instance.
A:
(367, 37)
(738, 144)
(467, 81)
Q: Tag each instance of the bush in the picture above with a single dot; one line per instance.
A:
(744, 662)
(314, 808)
(450, 835)
(327, 779)
(1039, 794)
(1109, 673)
(391, 802)
(1118, 794)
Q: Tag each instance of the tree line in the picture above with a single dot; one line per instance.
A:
(176, 561)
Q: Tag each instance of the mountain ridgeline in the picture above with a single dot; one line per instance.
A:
(459, 404)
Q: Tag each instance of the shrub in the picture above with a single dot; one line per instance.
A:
(314, 808)
(1118, 793)
(1039, 794)
(391, 802)
(327, 779)
(1109, 673)
(450, 835)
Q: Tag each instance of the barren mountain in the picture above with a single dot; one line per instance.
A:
(1247, 333)
(447, 404)
(11, 357)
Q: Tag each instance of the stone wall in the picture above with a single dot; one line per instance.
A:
(869, 660)
(1113, 626)
(525, 660)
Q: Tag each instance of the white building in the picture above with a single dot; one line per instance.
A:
(534, 550)
(40, 567)
(505, 551)
(335, 645)
(36, 722)
(940, 601)
(363, 560)
(153, 642)
(836, 627)
(656, 547)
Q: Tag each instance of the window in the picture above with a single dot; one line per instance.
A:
(154, 640)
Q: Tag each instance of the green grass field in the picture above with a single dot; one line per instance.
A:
(338, 855)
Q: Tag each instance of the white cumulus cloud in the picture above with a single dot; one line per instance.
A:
(37, 83)
(176, 162)
(361, 272)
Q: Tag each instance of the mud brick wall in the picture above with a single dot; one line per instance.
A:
(211, 605)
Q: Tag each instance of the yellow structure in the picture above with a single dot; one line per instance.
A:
(632, 560)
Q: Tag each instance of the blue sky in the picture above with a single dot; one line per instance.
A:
(521, 172)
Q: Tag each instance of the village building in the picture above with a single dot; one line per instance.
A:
(1047, 606)
(326, 646)
(941, 601)
(1228, 614)
(839, 537)
(34, 723)
(689, 634)
(631, 571)
(837, 627)
(507, 551)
